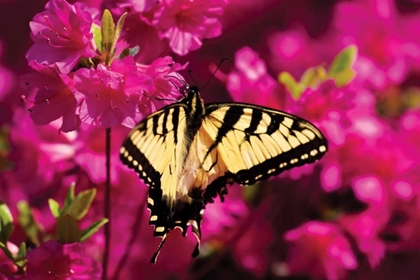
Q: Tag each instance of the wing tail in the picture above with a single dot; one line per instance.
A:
(156, 254)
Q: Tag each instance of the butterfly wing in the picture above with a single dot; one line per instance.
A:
(154, 149)
(245, 143)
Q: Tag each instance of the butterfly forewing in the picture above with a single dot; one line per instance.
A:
(253, 143)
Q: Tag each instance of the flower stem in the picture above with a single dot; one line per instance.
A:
(107, 207)
(134, 231)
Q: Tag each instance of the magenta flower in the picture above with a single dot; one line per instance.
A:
(388, 49)
(295, 51)
(410, 130)
(53, 260)
(162, 71)
(120, 6)
(251, 247)
(403, 229)
(41, 160)
(54, 98)
(7, 77)
(327, 107)
(62, 35)
(365, 227)
(151, 46)
(185, 23)
(321, 250)
(110, 96)
(222, 219)
(250, 82)
(90, 152)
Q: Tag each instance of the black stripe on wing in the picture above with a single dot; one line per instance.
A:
(131, 156)
(305, 152)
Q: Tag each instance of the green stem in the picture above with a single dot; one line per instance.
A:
(107, 207)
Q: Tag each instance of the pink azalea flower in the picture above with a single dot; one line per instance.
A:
(402, 231)
(381, 157)
(410, 130)
(388, 48)
(251, 248)
(62, 35)
(7, 78)
(321, 250)
(250, 82)
(365, 227)
(150, 44)
(110, 96)
(118, 7)
(326, 107)
(221, 219)
(163, 73)
(40, 158)
(90, 152)
(54, 98)
(53, 260)
(294, 51)
(185, 23)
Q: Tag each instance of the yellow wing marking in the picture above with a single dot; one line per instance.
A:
(273, 143)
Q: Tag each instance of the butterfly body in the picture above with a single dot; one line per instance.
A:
(188, 151)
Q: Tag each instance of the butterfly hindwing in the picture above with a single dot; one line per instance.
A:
(250, 143)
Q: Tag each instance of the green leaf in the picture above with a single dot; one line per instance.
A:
(67, 229)
(291, 84)
(254, 194)
(4, 139)
(129, 51)
(94, 227)
(5, 162)
(97, 36)
(27, 222)
(313, 77)
(81, 203)
(344, 77)
(125, 52)
(22, 250)
(20, 259)
(108, 34)
(69, 198)
(54, 207)
(118, 29)
(6, 251)
(340, 70)
(6, 223)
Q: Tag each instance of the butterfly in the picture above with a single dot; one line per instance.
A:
(189, 151)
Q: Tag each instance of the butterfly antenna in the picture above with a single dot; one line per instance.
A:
(184, 83)
(192, 78)
(214, 73)
(181, 79)
(159, 98)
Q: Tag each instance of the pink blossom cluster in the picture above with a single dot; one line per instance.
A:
(352, 215)
(107, 95)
